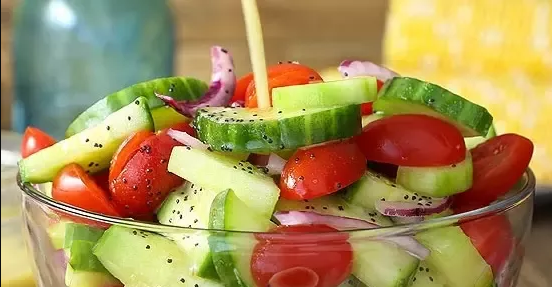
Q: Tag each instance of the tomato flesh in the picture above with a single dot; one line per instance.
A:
(126, 151)
(366, 109)
(241, 86)
(498, 164)
(412, 140)
(74, 186)
(304, 246)
(321, 170)
(34, 140)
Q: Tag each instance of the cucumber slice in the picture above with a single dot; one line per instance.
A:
(333, 205)
(166, 117)
(79, 278)
(373, 187)
(139, 258)
(326, 94)
(382, 264)
(454, 258)
(438, 181)
(352, 281)
(261, 131)
(232, 252)
(177, 87)
(92, 148)
(426, 277)
(189, 206)
(370, 118)
(402, 95)
(251, 185)
(472, 142)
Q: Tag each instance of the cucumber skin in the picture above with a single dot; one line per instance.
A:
(44, 165)
(469, 117)
(276, 135)
(180, 88)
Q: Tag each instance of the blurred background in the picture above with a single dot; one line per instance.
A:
(60, 56)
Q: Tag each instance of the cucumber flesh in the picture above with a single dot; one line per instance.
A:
(251, 185)
(177, 87)
(454, 258)
(79, 278)
(166, 117)
(92, 148)
(426, 277)
(352, 281)
(438, 181)
(370, 118)
(231, 252)
(139, 258)
(325, 94)
(333, 205)
(403, 95)
(472, 142)
(263, 131)
(189, 206)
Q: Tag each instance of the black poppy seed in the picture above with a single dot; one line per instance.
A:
(324, 207)
(427, 269)
(195, 285)
(240, 163)
(264, 137)
(382, 199)
(346, 74)
(427, 204)
(100, 145)
(235, 167)
(312, 207)
(197, 244)
(200, 189)
(373, 220)
(180, 216)
(135, 232)
(86, 140)
(424, 197)
(96, 164)
(224, 51)
(261, 120)
(270, 141)
(195, 220)
(191, 208)
(454, 165)
(415, 193)
(250, 172)
(177, 201)
(393, 185)
(251, 121)
(420, 199)
(173, 211)
(169, 260)
(188, 148)
(413, 198)
(95, 144)
(189, 226)
(421, 268)
(226, 120)
(406, 196)
(195, 191)
(186, 198)
(91, 164)
(301, 177)
(307, 207)
(137, 102)
(243, 169)
(182, 280)
(279, 112)
(420, 204)
(108, 128)
(430, 278)
(413, 279)
(340, 207)
(303, 110)
(338, 185)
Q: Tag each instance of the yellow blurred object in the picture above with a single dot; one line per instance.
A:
(497, 53)
(330, 74)
(15, 269)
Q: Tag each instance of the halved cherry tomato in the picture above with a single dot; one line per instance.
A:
(145, 181)
(412, 140)
(34, 140)
(498, 164)
(320, 170)
(280, 76)
(379, 84)
(74, 186)
(316, 247)
(366, 109)
(126, 151)
(241, 87)
(102, 179)
(493, 238)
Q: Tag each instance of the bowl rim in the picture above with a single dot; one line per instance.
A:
(519, 194)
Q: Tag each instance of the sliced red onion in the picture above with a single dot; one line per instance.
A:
(407, 219)
(60, 260)
(185, 138)
(221, 89)
(350, 69)
(405, 209)
(284, 277)
(307, 217)
(275, 164)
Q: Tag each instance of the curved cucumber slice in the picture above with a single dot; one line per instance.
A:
(261, 131)
(402, 95)
(165, 117)
(216, 172)
(92, 148)
(177, 87)
(327, 94)
(438, 181)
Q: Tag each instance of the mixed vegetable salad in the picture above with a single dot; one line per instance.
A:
(373, 149)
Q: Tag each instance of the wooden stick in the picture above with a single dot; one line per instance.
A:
(256, 51)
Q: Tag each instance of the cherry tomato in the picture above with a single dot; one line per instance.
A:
(280, 76)
(316, 247)
(183, 127)
(493, 239)
(366, 109)
(34, 140)
(241, 87)
(126, 151)
(498, 164)
(412, 140)
(145, 181)
(379, 84)
(74, 186)
(320, 170)
(102, 179)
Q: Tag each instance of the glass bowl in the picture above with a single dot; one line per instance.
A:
(499, 231)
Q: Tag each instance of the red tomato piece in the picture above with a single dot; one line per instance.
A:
(145, 181)
(366, 109)
(34, 140)
(379, 84)
(126, 151)
(102, 179)
(498, 164)
(316, 247)
(241, 87)
(74, 186)
(280, 76)
(321, 170)
(412, 140)
(183, 127)
(493, 238)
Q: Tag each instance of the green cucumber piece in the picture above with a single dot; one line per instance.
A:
(438, 181)
(232, 252)
(261, 131)
(251, 185)
(81, 257)
(333, 205)
(179, 88)
(56, 232)
(472, 142)
(189, 206)
(140, 258)
(454, 258)
(166, 117)
(426, 277)
(92, 148)
(79, 278)
(370, 118)
(373, 187)
(79, 232)
(382, 264)
(352, 281)
(403, 95)
(325, 94)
